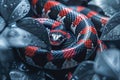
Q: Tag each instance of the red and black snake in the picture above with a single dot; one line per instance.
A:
(91, 14)
(59, 37)
(82, 28)
(98, 19)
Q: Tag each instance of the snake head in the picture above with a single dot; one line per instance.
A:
(56, 38)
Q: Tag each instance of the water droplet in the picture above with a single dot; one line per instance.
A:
(25, 11)
(5, 5)
(11, 4)
(104, 36)
(19, 14)
(13, 25)
(13, 16)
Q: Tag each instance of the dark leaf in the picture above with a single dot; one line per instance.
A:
(13, 10)
(2, 24)
(84, 71)
(108, 62)
(34, 27)
(110, 7)
(112, 28)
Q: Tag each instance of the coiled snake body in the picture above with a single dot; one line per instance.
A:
(59, 37)
(69, 57)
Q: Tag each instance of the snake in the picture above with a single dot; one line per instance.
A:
(86, 11)
(59, 37)
(81, 27)
(91, 14)
(98, 19)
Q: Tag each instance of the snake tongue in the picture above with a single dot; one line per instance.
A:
(112, 29)
(38, 30)
(13, 10)
(110, 7)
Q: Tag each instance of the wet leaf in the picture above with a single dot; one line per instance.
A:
(13, 10)
(34, 27)
(2, 24)
(112, 29)
(110, 7)
(83, 72)
(108, 62)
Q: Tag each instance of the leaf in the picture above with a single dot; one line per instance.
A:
(13, 10)
(111, 30)
(108, 62)
(110, 7)
(84, 71)
(2, 24)
(34, 27)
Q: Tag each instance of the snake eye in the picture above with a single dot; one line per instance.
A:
(61, 38)
(50, 36)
